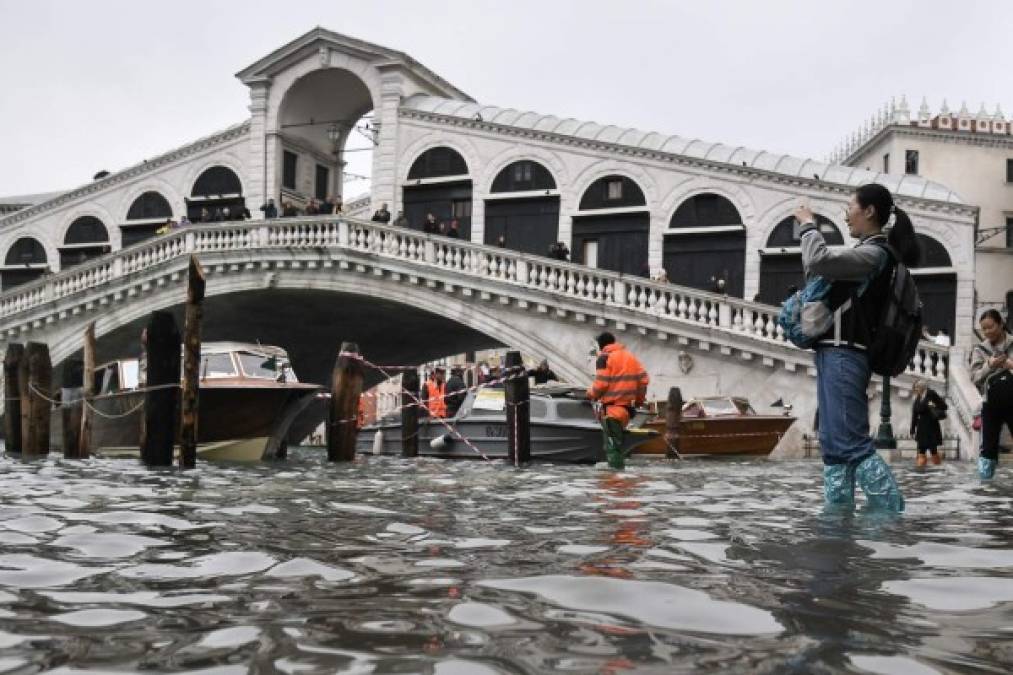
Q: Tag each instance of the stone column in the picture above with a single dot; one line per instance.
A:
(385, 154)
(259, 186)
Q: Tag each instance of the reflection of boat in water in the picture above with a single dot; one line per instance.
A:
(718, 425)
(249, 398)
(563, 429)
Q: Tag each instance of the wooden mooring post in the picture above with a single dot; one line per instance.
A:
(346, 387)
(12, 396)
(71, 407)
(673, 415)
(87, 393)
(35, 380)
(190, 395)
(158, 431)
(518, 410)
(410, 413)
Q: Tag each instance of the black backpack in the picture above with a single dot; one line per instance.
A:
(898, 329)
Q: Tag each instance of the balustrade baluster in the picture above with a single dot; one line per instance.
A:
(712, 316)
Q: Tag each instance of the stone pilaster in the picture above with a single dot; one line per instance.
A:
(385, 155)
(258, 179)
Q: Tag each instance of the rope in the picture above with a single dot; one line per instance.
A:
(111, 416)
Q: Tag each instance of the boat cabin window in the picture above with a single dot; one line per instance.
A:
(692, 409)
(539, 409)
(720, 406)
(130, 374)
(573, 410)
(263, 367)
(217, 365)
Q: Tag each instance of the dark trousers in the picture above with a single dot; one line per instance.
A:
(993, 416)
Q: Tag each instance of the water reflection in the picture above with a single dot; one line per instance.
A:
(429, 566)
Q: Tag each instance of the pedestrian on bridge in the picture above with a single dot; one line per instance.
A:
(381, 215)
(860, 278)
(620, 385)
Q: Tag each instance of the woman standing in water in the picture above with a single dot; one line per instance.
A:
(927, 408)
(860, 282)
(992, 371)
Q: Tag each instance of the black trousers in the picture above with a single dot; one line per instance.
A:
(993, 416)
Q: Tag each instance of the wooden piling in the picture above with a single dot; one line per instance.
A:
(518, 410)
(673, 415)
(346, 387)
(71, 407)
(190, 394)
(409, 413)
(158, 432)
(35, 380)
(87, 393)
(12, 396)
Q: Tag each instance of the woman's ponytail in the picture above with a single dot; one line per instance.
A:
(902, 237)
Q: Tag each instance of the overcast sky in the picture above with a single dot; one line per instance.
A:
(101, 85)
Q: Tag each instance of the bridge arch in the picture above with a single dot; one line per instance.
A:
(936, 279)
(522, 207)
(25, 260)
(612, 237)
(781, 257)
(444, 192)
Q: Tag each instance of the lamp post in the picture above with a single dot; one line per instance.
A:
(884, 435)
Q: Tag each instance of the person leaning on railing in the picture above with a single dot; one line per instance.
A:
(992, 372)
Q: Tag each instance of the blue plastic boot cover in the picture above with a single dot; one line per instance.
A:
(879, 485)
(839, 484)
(986, 467)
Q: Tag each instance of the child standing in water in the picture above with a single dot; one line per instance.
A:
(842, 365)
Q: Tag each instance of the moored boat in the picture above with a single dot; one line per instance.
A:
(249, 397)
(563, 429)
(717, 425)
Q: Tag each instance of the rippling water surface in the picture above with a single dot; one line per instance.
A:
(397, 566)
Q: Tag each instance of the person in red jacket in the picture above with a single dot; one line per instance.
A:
(620, 384)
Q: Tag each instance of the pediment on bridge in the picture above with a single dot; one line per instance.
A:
(324, 44)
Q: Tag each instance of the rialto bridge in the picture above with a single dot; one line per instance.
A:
(628, 204)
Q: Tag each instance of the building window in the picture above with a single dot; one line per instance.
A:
(289, 160)
(1009, 170)
(323, 180)
(614, 190)
(1009, 231)
(461, 209)
(522, 172)
(886, 163)
(911, 162)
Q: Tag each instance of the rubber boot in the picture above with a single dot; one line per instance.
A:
(614, 444)
(877, 482)
(839, 485)
(986, 467)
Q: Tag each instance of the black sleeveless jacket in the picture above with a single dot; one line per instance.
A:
(858, 318)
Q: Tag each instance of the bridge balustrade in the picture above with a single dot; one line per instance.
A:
(657, 301)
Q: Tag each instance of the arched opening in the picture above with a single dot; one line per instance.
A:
(522, 210)
(86, 238)
(611, 227)
(216, 196)
(781, 259)
(705, 245)
(439, 184)
(145, 216)
(324, 145)
(937, 286)
(25, 261)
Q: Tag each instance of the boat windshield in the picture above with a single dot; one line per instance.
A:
(264, 367)
(744, 407)
(720, 406)
(217, 365)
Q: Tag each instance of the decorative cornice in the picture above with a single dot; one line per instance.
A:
(673, 158)
(977, 138)
(119, 177)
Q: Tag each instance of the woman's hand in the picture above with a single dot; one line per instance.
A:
(803, 214)
(998, 361)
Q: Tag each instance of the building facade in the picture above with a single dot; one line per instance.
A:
(971, 153)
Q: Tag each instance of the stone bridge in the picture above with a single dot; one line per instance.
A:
(406, 297)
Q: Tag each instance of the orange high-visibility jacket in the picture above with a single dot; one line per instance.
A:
(619, 381)
(435, 400)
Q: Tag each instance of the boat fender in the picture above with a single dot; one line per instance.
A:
(441, 443)
(378, 442)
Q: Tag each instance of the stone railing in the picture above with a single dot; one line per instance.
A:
(647, 300)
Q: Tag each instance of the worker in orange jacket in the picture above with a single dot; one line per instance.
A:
(435, 391)
(620, 384)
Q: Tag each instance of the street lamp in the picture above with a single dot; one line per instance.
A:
(884, 436)
(334, 135)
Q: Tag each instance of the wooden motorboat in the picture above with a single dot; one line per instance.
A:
(563, 429)
(717, 425)
(249, 397)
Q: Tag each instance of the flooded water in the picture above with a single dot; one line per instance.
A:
(396, 566)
